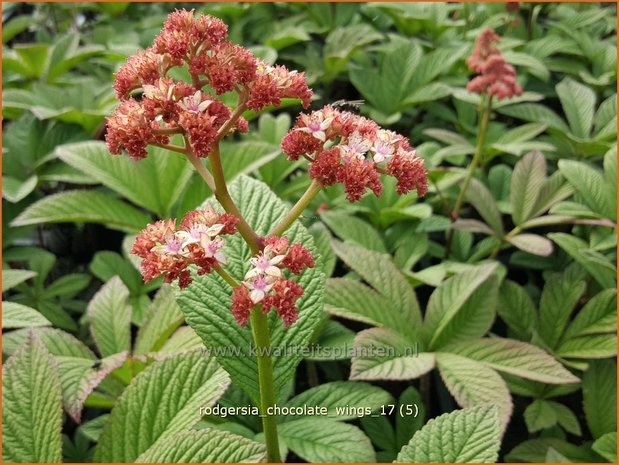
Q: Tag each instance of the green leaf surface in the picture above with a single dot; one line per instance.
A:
(464, 436)
(532, 243)
(79, 379)
(352, 229)
(162, 400)
(86, 206)
(381, 353)
(462, 307)
(599, 389)
(590, 184)
(516, 358)
(599, 315)
(16, 315)
(109, 313)
(206, 302)
(204, 446)
(56, 341)
(339, 394)
(527, 181)
(31, 406)
(11, 278)
(578, 103)
(163, 317)
(323, 440)
(516, 308)
(539, 415)
(606, 446)
(472, 384)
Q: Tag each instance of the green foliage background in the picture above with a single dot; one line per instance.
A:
(517, 310)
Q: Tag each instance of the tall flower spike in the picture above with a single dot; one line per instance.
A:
(168, 251)
(266, 286)
(352, 150)
(496, 76)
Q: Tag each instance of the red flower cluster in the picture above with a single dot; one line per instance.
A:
(266, 286)
(167, 106)
(168, 251)
(496, 76)
(346, 148)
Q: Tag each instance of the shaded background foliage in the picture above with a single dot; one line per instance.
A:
(543, 205)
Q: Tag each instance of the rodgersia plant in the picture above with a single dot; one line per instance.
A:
(340, 147)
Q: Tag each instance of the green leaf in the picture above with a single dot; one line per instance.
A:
(539, 415)
(566, 418)
(11, 278)
(335, 396)
(516, 358)
(606, 446)
(323, 440)
(472, 384)
(599, 315)
(535, 113)
(590, 184)
(110, 318)
(516, 308)
(527, 181)
(162, 400)
(106, 264)
(322, 240)
(599, 390)
(381, 353)
(532, 243)
(68, 285)
(379, 272)
(578, 103)
(15, 190)
(83, 206)
(462, 307)
(31, 406)
(591, 346)
(154, 183)
(206, 302)
(352, 229)
(16, 315)
(463, 436)
(598, 266)
(79, 379)
(163, 317)
(481, 198)
(204, 446)
(56, 341)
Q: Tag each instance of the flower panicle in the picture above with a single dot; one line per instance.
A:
(266, 284)
(168, 106)
(167, 250)
(346, 148)
(495, 76)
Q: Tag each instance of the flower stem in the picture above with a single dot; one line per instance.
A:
(297, 209)
(202, 171)
(260, 330)
(479, 147)
(223, 196)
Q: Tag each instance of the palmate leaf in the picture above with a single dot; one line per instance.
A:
(464, 436)
(599, 315)
(462, 307)
(516, 358)
(578, 103)
(379, 272)
(381, 353)
(320, 440)
(204, 446)
(206, 302)
(162, 400)
(472, 384)
(31, 406)
(154, 183)
(590, 184)
(86, 206)
(110, 318)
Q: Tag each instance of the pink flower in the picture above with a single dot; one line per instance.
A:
(273, 83)
(354, 152)
(167, 251)
(496, 77)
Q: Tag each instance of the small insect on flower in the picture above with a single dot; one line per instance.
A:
(352, 106)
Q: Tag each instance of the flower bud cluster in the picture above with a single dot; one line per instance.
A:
(352, 150)
(168, 251)
(496, 76)
(266, 286)
(166, 106)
